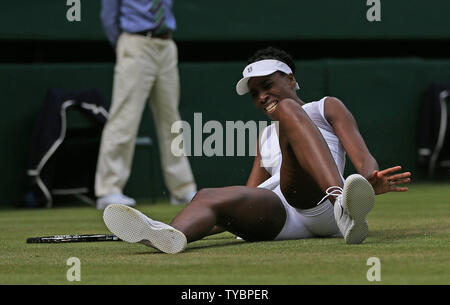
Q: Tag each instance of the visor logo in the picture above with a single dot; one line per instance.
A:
(249, 69)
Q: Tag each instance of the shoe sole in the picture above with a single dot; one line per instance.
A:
(132, 226)
(359, 199)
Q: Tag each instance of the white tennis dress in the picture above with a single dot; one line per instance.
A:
(317, 221)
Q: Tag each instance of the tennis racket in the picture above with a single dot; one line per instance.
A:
(55, 239)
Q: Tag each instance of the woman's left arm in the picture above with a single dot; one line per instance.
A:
(346, 128)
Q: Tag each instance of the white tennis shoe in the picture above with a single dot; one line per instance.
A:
(351, 208)
(132, 226)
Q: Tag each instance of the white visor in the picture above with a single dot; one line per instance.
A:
(261, 68)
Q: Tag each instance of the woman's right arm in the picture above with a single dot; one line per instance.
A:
(258, 174)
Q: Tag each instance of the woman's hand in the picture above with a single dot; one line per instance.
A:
(386, 181)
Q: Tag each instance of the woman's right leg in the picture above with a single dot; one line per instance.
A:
(251, 213)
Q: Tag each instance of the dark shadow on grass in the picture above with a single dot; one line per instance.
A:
(219, 238)
(194, 248)
(200, 244)
(375, 237)
(218, 245)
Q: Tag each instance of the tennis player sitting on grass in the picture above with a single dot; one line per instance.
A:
(303, 196)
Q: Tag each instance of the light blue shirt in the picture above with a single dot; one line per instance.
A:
(132, 16)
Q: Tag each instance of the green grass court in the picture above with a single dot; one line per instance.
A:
(409, 233)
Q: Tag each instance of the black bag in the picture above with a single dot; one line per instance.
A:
(433, 154)
(64, 147)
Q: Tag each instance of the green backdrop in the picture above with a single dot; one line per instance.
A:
(383, 93)
(242, 20)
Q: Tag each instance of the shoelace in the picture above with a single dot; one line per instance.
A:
(332, 191)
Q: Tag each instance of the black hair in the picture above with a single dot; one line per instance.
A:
(273, 53)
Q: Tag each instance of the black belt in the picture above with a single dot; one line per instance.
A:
(150, 34)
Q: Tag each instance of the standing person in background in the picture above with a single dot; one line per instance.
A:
(146, 69)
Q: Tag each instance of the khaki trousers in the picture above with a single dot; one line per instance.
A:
(146, 70)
